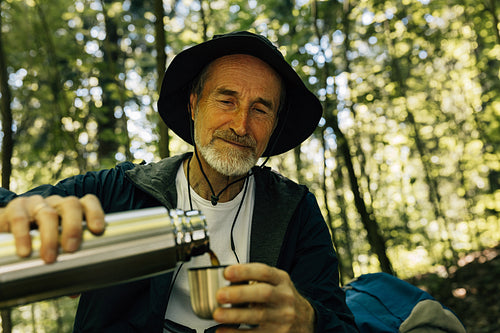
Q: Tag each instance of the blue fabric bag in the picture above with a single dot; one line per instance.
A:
(383, 303)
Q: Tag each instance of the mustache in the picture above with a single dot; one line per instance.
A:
(230, 136)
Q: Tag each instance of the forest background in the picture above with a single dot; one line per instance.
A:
(404, 163)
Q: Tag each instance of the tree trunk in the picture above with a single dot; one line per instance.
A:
(6, 321)
(112, 55)
(7, 146)
(204, 21)
(433, 193)
(107, 122)
(375, 238)
(7, 141)
(161, 60)
(488, 79)
(33, 317)
(56, 87)
(370, 221)
(59, 314)
(492, 8)
(346, 242)
(345, 264)
(298, 164)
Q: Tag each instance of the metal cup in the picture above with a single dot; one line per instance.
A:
(203, 285)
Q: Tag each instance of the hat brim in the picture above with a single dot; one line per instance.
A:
(298, 119)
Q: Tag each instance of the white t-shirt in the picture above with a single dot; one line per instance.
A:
(219, 220)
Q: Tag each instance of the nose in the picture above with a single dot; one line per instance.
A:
(239, 123)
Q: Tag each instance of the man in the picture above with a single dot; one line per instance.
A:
(236, 99)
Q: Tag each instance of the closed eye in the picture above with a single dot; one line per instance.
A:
(225, 102)
(262, 109)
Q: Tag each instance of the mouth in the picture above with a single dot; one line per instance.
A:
(242, 144)
(237, 144)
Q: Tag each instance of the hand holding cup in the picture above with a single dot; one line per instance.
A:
(275, 305)
(203, 285)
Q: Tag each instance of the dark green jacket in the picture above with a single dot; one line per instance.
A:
(288, 232)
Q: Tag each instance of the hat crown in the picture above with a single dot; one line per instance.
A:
(261, 38)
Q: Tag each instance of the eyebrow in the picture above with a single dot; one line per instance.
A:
(229, 92)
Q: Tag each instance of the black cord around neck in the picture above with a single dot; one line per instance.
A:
(233, 246)
(246, 178)
(214, 199)
(189, 185)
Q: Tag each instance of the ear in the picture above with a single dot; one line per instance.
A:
(193, 98)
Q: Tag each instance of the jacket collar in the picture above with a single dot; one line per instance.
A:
(158, 179)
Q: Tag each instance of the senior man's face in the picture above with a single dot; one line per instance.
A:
(236, 113)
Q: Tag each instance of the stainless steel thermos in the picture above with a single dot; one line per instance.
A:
(136, 244)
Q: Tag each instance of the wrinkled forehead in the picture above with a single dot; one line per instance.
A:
(246, 68)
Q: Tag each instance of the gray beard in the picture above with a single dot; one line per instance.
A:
(226, 161)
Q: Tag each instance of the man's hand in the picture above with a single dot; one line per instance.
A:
(51, 214)
(275, 304)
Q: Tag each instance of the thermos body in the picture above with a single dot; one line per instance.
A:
(136, 244)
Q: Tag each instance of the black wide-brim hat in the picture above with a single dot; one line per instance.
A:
(298, 119)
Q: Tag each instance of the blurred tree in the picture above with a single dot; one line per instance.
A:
(7, 140)
(400, 74)
(483, 20)
(411, 95)
(59, 98)
(7, 146)
(161, 61)
(113, 97)
(374, 234)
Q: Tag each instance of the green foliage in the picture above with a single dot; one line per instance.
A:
(48, 316)
(412, 85)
